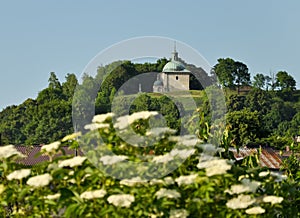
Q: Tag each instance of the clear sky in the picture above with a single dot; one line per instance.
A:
(37, 37)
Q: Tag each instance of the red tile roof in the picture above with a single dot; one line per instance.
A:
(268, 157)
(33, 157)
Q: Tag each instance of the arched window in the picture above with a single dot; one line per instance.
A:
(176, 77)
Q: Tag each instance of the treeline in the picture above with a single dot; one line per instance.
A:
(263, 110)
(49, 117)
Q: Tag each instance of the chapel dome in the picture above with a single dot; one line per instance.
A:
(173, 66)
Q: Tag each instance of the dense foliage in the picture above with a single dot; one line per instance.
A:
(200, 183)
(265, 113)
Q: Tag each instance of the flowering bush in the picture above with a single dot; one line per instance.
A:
(174, 176)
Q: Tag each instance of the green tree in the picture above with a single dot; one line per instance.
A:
(69, 86)
(232, 73)
(259, 81)
(241, 75)
(224, 71)
(53, 81)
(285, 81)
(245, 126)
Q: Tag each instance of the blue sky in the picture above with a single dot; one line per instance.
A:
(38, 37)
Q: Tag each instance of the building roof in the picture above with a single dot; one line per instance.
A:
(268, 157)
(33, 157)
(174, 67)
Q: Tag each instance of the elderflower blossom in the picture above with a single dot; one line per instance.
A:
(100, 118)
(133, 181)
(73, 162)
(178, 213)
(94, 126)
(240, 202)
(40, 180)
(8, 151)
(272, 199)
(71, 136)
(50, 147)
(214, 166)
(246, 186)
(53, 197)
(124, 121)
(186, 180)
(93, 194)
(168, 193)
(112, 159)
(141, 115)
(163, 158)
(168, 180)
(279, 176)
(19, 174)
(121, 200)
(255, 210)
(264, 174)
(183, 153)
(187, 140)
(159, 131)
(156, 182)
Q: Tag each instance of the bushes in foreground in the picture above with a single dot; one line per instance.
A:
(131, 171)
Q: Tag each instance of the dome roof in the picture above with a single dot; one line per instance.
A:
(158, 83)
(173, 66)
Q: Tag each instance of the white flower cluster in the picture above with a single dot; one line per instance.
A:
(71, 136)
(94, 126)
(124, 121)
(133, 181)
(246, 186)
(158, 131)
(53, 197)
(179, 213)
(8, 151)
(278, 176)
(186, 140)
(112, 159)
(121, 200)
(40, 180)
(255, 210)
(240, 202)
(166, 181)
(73, 162)
(181, 153)
(50, 148)
(214, 166)
(186, 180)
(93, 194)
(272, 199)
(100, 118)
(19, 174)
(168, 193)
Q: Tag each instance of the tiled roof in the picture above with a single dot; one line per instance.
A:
(33, 157)
(268, 157)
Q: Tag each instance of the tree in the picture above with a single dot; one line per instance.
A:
(245, 126)
(259, 81)
(232, 73)
(53, 81)
(241, 75)
(224, 71)
(285, 81)
(70, 85)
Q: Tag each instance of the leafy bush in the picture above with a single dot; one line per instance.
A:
(175, 176)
